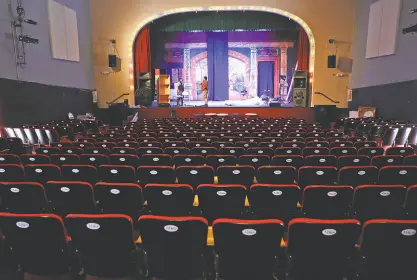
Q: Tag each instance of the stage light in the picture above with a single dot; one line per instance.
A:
(131, 76)
(131, 65)
(132, 87)
(28, 39)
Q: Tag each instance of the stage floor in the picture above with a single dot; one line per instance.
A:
(216, 104)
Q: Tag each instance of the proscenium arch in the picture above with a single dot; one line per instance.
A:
(289, 15)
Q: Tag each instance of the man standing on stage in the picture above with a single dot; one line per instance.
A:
(204, 88)
(180, 90)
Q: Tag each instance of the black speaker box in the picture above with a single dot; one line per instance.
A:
(331, 61)
(112, 60)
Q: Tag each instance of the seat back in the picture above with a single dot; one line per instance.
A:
(328, 242)
(216, 161)
(23, 197)
(283, 160)
(38, 241)
(169, 199)
(195, 175)
(327, 202)
(317, 175)
(175, 246)
(221, 201)
(83, 173)
(243, 175)
(42, 173)
(67, 197)
(102, 240)
(34, 159)
(388, 248)
(11, 173)
(117, 173)
(9, 159)
(247, 249)
(94, 159)
(379, 202)
(358, 175)
(320, 160)
(156, 160)
(400, 151)
(155, 175)
(402, 175)
(269, 201)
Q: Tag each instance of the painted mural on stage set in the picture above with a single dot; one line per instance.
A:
(185, 55)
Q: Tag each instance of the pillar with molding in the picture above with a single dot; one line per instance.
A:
(188, 87)
(253, 78)
(284, 71)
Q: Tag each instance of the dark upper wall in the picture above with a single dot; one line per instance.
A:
(395, 68)
(41, 67)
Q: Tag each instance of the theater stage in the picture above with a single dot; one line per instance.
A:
(186, 112)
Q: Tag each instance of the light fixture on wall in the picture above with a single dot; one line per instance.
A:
(413, 28)
(19, 38)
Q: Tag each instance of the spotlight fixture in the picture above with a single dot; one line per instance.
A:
(413, 11)
(411, 29)
(31, 21)
(28, 39)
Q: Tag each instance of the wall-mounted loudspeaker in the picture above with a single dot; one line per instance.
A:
(345, 65)
(115, 62)
(299, 98)
(331, 61)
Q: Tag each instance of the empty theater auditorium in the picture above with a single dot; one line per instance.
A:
(225, 140)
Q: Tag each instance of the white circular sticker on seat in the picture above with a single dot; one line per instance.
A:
(153, 172)
(150, 145)
(95, 152)
(246, 145)
(271, 145)
(93, 226)
(2, 159)
(277, 172)
(115, 191)
(221, 160)
(332, 194)
(403, 172)
(289, 152)
(344, 152)
(409, 232)
(65, 189)
(75, 171)
(320, 172)
(362, 172)
(390, 160)
(14, 190)
(277, 192)
(260, 152)
(236, 172)
(356, 160)
(221, 193)
(187, 160)
(22, 225)
(402, 151)
(204, 151)
(255, 160)
(38, 170)
(249, 232)
(155, 159)
(176, 152)
(166, 192)
(289, 160)
(385, 193)
(69, 151)
(127, 145)
(329, 232)
(373, 152)
(197, 145)
(122, 151)
(149, 152)
(32, 159)
(122, 159)
(232, 151)
(114, 171)
(45, 151)
(316, 151)
(62, 159)
(322, 160)
(171, 228)
(194, 172)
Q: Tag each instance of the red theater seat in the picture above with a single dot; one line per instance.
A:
(39, 243)
(247, 249)
(175, 246)
(64, 159)
(105, 244)
(34, 159)
(317, 175)
(169, 199)
(70, 197)
(388, 250)
(195, 175)
(42, 173)
(221, 201)
(274, 201)
(327, 202)
(23, 197)
(117, 173)
(155, 175)
(325, 254)
(358, 175)
(83, 173)
(156, 160)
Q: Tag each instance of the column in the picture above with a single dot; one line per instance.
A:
(284, 71)
(187, 73)
(253, 78)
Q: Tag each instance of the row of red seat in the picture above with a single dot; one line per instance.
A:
(196, 175)
(265, 201)
(246, 249)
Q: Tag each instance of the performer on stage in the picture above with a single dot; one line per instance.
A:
(180, 90)
(204, 88)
